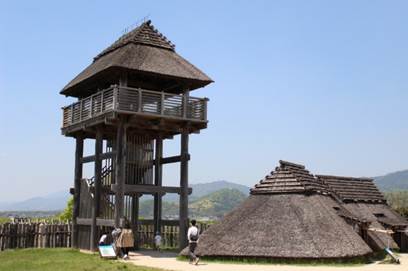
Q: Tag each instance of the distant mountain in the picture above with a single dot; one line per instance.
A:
(57, 201)
(217, 204)
(51, 202)
(203, 189)
(393, 181)
(211, 206)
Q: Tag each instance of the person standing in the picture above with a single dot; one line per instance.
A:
(157, 241)
(192, 236)
(125, 240)
(115, 236)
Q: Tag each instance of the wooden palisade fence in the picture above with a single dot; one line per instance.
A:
(169, 233)
(57, 234)
(35, 235)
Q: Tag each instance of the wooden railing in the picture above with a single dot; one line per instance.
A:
(136, 101)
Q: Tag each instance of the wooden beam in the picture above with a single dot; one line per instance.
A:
(91, 158)
(105, 222)
(96, 204)
(183, 211)
(173, 159)
(130, 189)
(99, 222)
(164, 222)
(157, 214)
(84, 221)
(79, 151)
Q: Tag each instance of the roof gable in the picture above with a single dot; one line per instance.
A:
(288, 178)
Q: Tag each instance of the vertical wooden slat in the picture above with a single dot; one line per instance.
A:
(140, 100)
(162, 103)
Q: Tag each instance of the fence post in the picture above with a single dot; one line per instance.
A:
(140, 101)
(162, 104)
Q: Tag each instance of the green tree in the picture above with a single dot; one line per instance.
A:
(398, 200)
(67, 213)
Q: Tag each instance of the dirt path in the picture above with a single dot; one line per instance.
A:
(168, 261)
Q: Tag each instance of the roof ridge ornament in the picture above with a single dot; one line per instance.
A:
(145, 34)
(135, 25)
(286, 163)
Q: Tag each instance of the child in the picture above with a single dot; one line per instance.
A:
(157, 241)
(103, 239)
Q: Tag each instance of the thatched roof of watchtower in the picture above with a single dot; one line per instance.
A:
(289, 214)
(143, 51)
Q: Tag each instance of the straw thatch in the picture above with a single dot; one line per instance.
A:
(293, 214)
(350, 189)
(147, 56)
(364, 201)
(283, 226)
(288, 215)
(289, 178)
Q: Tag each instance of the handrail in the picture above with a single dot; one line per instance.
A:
(96, 94)
(136, 101)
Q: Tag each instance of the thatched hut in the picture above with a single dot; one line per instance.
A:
(293, 214)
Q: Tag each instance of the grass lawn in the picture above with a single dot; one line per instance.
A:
(61, 260)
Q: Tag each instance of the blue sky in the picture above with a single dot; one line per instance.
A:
(322, 83)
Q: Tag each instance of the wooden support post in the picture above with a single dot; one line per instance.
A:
(186, 98)
(135, 219)
(120, 160)
(120, 165)
(158, 175)
(123, 79)
(183, 213)
(96, 206)
(79, 152)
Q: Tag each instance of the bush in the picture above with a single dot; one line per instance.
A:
(67, 213)
(398, 200)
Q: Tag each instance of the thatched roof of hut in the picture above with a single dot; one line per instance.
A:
(288, 178)
(293, 214)
(145, 53)
(287, 215)
(363, 200)
(350, 189)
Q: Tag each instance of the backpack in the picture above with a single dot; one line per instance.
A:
(194, 237)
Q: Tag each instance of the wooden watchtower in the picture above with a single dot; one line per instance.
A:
(133, 96)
